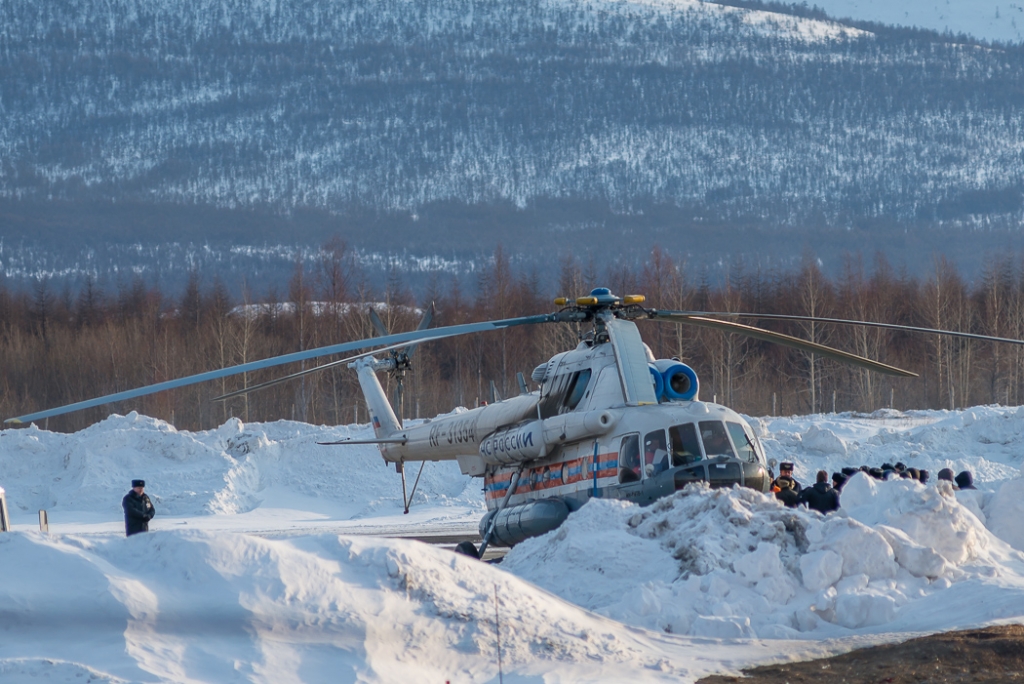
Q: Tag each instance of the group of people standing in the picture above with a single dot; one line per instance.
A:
(821, 496)
(824, 498)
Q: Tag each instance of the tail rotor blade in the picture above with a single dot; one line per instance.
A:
(378, 324)
(428, 316)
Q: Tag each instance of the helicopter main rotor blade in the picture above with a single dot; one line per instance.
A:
(308, 371)
(405, 338)
(779, 338)
(844, 321)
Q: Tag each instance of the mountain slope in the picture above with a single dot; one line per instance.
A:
(650, 118)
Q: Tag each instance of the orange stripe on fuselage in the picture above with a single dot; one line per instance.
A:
(542, 478)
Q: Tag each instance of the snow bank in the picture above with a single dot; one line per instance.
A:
(717, 576)
(736, 563)
(177, 606)
(233, 469)
(986, 440)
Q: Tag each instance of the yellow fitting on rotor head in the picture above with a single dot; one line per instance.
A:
(634, 299)
(561, 301)
(586, 301)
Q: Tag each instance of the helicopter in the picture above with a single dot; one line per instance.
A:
(608, 420)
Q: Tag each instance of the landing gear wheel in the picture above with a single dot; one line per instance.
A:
(467, 548)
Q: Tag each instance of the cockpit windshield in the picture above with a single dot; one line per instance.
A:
(716, 441)
(744, 443)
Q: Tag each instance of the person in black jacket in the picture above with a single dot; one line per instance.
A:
(786, 473)
(138, 509)
(821, 497)
(785, 493)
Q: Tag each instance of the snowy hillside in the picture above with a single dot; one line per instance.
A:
(215, 129)
(704, 581)
(993, 20)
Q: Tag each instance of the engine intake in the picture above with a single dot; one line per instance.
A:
(679, 381)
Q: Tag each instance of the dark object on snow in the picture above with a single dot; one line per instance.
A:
(900, 466)
(877, 473)
(838, 480)
(821, 497)
(467, 548)
(914, 473)
(965, 480)
(923, 475)
(138, 511)
(849, 472)
(138, 483)
(946, 474)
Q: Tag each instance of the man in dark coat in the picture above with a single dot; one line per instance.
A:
(786, 473)
(785, 493)
(821, 497)
(138, 509)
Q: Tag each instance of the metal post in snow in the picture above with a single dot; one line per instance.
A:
(497, 635)
(5, 521)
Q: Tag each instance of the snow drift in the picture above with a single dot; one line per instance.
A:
(703, 581)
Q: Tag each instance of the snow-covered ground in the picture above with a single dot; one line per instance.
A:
(255, 569)
(998, 20)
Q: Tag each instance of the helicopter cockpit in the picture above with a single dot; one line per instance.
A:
(719, 452)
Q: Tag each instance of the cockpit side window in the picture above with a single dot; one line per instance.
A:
(685, 446)
(655, 453)
(577, 386)
(716, 441)
(744, 443)
(629, 459)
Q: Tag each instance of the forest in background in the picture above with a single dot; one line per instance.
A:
(58, 346)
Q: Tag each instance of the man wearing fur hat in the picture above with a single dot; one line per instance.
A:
(138, 509)
(786, 474)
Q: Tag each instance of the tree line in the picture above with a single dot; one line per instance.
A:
(59, 346)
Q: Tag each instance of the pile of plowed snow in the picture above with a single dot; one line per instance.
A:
(236, 468)
(766, 583)
(216, 607)
(737, 563)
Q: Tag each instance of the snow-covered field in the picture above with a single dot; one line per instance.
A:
(257, 567)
